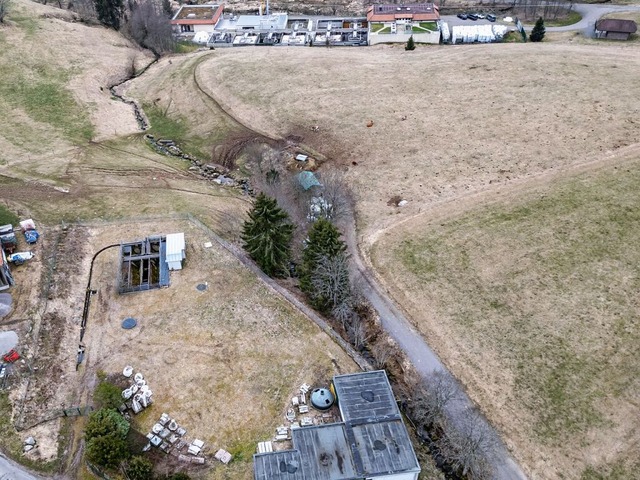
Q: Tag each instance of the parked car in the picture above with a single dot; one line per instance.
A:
(462, 16)
(472, 16)
(480, 16)
(491, 18)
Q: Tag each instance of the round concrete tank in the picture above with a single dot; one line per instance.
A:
(322, 399)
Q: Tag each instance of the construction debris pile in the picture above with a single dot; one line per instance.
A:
(298, 415)
(166, 434)
(9, 243)
(138, 396)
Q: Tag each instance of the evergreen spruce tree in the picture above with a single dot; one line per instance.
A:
(267, 236)
(323, 244)
(537, 34)
(110, 12)
(410, 44)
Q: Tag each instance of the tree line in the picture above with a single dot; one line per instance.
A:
(294, 233)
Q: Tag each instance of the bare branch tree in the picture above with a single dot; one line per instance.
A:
(430, 404)
(86, 9)
(330, 280)
(382, 352)
(338, 200)
(150, 27)
(357, 331)
(470, 446)
(4, 9)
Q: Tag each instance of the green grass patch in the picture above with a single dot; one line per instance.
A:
(12, 442)
(50, 102)
(384, 29)
(163, 126)
(27, 23)
(176, 128)
(183, 46)
(614, 471)
(7, 216)
(512, 37)
(433, 26)
(549, 284)
(376, 27)
(573, 17)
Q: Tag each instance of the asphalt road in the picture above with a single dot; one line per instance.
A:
(590, 14)
(12, 471)
(426, 361)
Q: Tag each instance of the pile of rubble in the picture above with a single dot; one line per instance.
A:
(298, 415)
(29, 444)
(137, 396)
(216, 173)
(168, 436)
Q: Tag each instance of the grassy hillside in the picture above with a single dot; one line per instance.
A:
(534, 304)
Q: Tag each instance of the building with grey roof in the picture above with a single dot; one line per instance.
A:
(371, 441)
(365, 396)
(283, 464)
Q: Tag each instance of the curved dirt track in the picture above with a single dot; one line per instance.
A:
(399, 328)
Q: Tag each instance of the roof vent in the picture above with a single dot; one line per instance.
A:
(379, 445)
(288, 467)
(191, 15)
(368, 396)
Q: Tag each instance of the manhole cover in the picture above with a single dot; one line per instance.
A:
(129, 323)
(201, 287)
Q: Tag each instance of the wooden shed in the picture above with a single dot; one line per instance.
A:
(615, 29)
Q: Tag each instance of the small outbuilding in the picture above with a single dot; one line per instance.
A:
(615, 29)
(175, 251)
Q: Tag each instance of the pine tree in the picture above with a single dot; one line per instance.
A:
(267, 236)
(323, 244)
(537, 34)
(410, 44)
(110, 12)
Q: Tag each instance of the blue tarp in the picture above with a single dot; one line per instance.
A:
(31, 236)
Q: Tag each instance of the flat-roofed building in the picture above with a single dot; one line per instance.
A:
(197, 18)
(370, 442)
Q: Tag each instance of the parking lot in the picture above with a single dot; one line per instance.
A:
(453, 20)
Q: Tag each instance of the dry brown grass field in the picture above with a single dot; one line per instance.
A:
(543, 335)
(70, 152)
(476, 116)
(224, 362)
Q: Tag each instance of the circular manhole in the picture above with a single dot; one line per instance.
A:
(201, 287)
(129, 323)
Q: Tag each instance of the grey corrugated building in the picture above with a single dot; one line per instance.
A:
(371, 441)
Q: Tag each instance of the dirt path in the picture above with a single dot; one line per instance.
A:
(393, 320)
(448, 207)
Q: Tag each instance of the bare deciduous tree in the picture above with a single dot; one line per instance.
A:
(86, 9)
(4, 9)
(470, 446)
(382, 352)
(337, 196)
(330, 280)
(357, 331)
(150, 27)
(430, 404)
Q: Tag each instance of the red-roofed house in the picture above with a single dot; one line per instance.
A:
(395, 23)
(197, 18)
